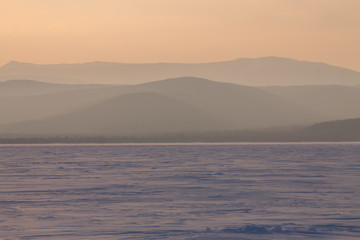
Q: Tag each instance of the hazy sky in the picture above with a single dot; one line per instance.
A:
(67, 31)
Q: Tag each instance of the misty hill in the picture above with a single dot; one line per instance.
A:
(342, 130)
(23, 108)
(246, 107)
(30, 87)
(245, 71)
(242, 107)
(138, 113)
(200, 108)
(332, 102)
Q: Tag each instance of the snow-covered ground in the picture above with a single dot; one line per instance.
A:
(192, 191)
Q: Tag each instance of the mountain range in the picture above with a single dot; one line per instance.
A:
(185, 104)
(245, 71)
(271, 97)
(234, 107)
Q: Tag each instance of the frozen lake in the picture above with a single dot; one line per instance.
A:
(194, 191)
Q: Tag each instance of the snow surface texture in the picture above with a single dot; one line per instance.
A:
(235, 191)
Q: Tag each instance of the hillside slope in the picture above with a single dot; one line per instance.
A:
(341, 130)
(19, 88)
(138, 113)
(331, 102)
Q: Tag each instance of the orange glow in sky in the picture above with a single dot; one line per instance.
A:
(68, 31)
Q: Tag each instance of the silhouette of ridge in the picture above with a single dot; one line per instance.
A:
(245, 71)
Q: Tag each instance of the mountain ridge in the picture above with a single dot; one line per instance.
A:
(14, 62)
(245, 71)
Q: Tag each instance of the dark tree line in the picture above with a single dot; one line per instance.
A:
(270, 135)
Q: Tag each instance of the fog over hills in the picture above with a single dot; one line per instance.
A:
(246, 71)
(127, 114)
(331, 102)
(246, 107)
(184, 104)
(23, 108)
(240, 107)
(31, 88)
(342, 130)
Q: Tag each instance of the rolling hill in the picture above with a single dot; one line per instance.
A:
(19, 88)
(331, 102)
(199, 108)
(23, 108)
(138, 113)
(341, 130)
(242, 107)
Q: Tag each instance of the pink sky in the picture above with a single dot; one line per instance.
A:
(68, 31)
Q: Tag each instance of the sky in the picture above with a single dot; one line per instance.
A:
(144, 31)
